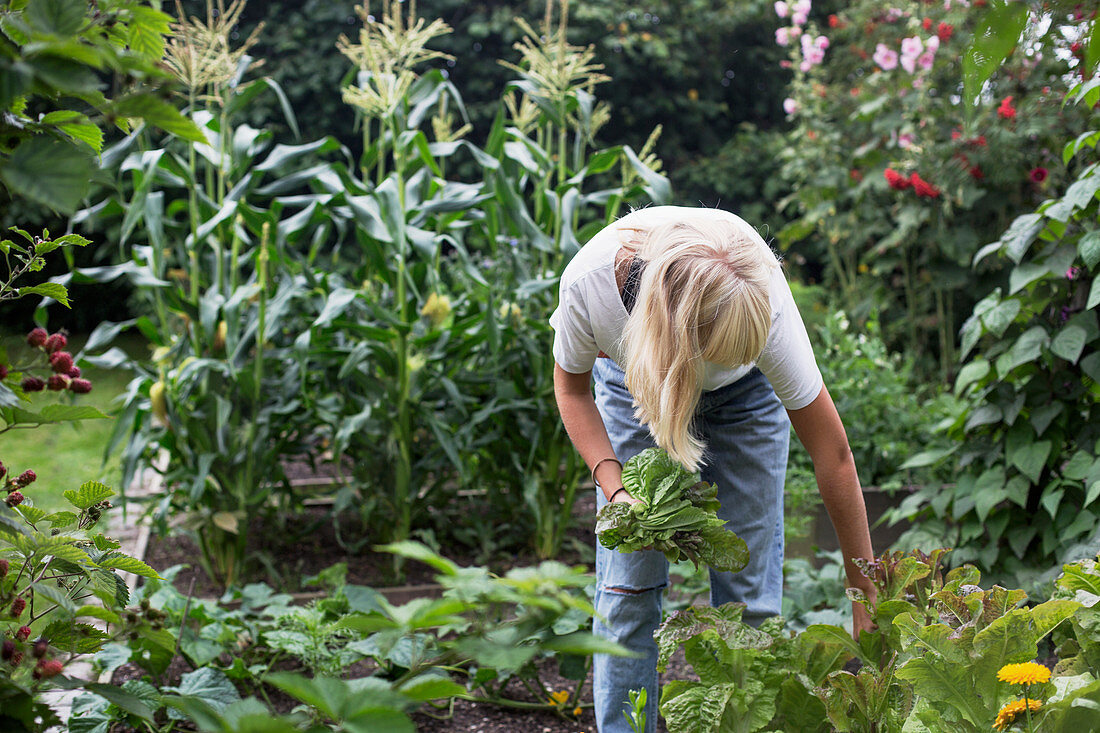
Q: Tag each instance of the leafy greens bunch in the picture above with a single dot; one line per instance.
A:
(676, 514)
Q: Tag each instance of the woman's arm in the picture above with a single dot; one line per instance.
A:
(819, 428)
(586, 429)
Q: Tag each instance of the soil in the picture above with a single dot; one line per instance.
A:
(310, 542)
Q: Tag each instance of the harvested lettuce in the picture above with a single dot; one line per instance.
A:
(677, 515)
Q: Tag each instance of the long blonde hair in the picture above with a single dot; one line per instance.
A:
(702, 297)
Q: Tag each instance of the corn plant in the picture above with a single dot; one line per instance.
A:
(209, 232)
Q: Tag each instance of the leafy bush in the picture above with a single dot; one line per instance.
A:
(1026, 444)
(898, 180)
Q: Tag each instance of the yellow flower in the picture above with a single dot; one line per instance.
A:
(560, 697)
(1007, 715)
(576, 712)
(436, 309)
(693, 95)
(1028, 673)
(863, 268)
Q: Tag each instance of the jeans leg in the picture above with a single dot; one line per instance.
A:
(747, 434)
(628, 585)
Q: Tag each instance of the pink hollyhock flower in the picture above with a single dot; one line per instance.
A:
(926, 59)
(1038, 175)
(910, 49)
(799, 18)
(886, 58)
(802, 6)
(790, 106)
(783, 36)
(782, 9)
(905, 141)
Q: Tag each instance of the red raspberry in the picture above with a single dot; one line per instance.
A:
(61, 362)
(18, 604)
(3, 567)
(47, 668)
(25, 479)
(23, 633)
(33, 384)
(74, 373)
(41, 646)
(57, 383)
(16, 659)
(37, 337)
(7, 650)
(56, 342)
(3, 371)
(13, 500)
(3, 470)
(80, 386)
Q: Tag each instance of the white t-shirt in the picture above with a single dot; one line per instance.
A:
(590, 316)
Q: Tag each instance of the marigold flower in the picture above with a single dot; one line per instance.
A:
(1028, 673)
(1038, 175)
(1008, 714)
(1006, 110)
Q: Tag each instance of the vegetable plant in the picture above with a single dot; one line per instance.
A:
(676, 514)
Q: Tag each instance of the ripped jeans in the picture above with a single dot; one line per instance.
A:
(746, 431)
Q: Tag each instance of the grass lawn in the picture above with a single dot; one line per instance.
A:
(65, 456)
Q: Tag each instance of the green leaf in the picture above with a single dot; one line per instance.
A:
(127, 565)
(75, 637)
(1027, 348)
(431, 687)
(90, 494)
(1088, 246)
(996, 35)
(973, 372)
(1069, 343)
(47, 290)
(1030, 458)
(56, 17)
(1094, 294)
(208, 684)
(53, 173)
(125, 700)
(159, 113)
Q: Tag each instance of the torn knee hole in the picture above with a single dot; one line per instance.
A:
(630, 591)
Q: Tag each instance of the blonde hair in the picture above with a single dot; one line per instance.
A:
(702, 297)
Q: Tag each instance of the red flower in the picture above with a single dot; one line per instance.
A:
(922, 187)
(944, 31)
(926, 24)
(976, 173)
(855, 175)
(979, 141)
(834, 21)
(1006, 110)
(897, 181)
(956, 134)
(3, 371)
(1038, 175)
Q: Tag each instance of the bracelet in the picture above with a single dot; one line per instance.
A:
(602, 461)
(615, 493)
